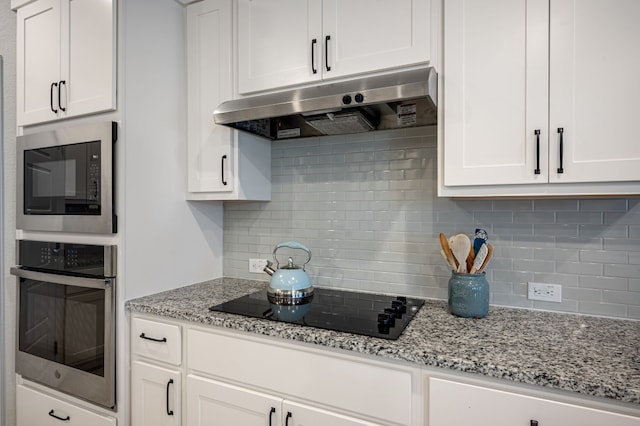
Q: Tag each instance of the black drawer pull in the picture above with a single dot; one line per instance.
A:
(313, 56)
(537, 170)
(224, 182)
(326, 53)
(65, 419)
(163, 340)
(273, 410)
(55, 111)
(289, 415)
(561, 132)
(169, 412)
(533, 423)
(59, 92)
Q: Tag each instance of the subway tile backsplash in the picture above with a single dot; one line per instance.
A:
(366, 206)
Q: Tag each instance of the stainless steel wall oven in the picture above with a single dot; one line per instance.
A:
(65, 179)
(66, 318)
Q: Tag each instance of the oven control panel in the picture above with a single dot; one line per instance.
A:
(67, 258)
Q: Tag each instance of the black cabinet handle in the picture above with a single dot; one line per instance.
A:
(224, 157)
(163, 340)
(169, 412)
(273, 410)
(65, 419)
(561, 131)
(537, 170)
(55, 111)
(286, 421)
(533, 423)
(313, 55)
(326, 52)
(59, 92)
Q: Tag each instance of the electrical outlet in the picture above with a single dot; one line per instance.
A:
(545, 292)
(257, 265)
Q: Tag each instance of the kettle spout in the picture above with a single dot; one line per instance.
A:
(268, 269)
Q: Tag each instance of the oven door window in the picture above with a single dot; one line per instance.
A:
(62, 180)
(63, 323)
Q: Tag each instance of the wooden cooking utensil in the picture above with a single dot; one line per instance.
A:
(480, 258)
(460, 246)
(471, 258)
(447, 260)
(451, 260)
(486, 260)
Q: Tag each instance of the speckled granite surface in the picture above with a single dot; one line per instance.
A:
(588, 355)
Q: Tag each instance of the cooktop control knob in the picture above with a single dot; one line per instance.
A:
(359, 98)
(399, 306)
(397, 313)
(387, 319)
(346, 99)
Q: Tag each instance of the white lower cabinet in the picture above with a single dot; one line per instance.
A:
(156, 373)
(213, 403)
(312, 385)
(235, 378)
(456, 403)
(210, 402)
(303, 415)
(156, 395)
(34, 408)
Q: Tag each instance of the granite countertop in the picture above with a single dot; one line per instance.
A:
(588, 355)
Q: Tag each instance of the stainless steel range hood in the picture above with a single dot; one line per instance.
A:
(402, 99)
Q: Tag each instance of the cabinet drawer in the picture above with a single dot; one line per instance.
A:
(34, 408)
(453, 403)
(156, 340)
(383, 392)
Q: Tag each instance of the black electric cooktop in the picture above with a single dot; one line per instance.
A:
(368, 314)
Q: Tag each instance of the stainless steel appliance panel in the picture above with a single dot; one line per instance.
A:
(66, 318)
(65, 180)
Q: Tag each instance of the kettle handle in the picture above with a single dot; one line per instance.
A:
(292, 245)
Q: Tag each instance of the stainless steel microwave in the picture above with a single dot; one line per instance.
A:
(65, 180)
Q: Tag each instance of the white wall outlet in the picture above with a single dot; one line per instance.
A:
(545, 292)
(257, 265)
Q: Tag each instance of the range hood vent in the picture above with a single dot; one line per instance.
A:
(391, 101)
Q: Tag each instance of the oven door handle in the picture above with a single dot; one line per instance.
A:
(99, 283)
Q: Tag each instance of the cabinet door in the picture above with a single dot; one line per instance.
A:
(88, 56)
(303, 415)
(370, 35)
(213, 403)
(210, 146)
(452, 403)
(594, 90)
(279, 43)
(37, 409)
(495, 91)
(38, 61)
(155, 395)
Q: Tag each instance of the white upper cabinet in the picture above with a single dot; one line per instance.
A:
(594, 90)
(66, 64)
(221, 164)
(516, 71)
(279, 43)
(288, 42)
(495, 95)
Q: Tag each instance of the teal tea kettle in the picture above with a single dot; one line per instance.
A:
(290, 284)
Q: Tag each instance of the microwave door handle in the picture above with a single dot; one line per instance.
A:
(99, 283)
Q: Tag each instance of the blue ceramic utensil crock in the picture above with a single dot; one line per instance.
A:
(468, 295)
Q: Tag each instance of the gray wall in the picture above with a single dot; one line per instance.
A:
(367, 208)
(8, 52)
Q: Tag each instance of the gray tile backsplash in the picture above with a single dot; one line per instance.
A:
(366, 206)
